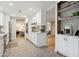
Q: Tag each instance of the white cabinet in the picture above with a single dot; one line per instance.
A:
(1, 18)
(41, 39)
(72, 46)
(34, 38)
(1, 45)
(67, 45)
(7, 39)
(61, 43)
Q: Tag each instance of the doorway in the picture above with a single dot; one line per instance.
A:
(20, 28)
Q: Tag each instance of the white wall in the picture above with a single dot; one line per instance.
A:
(50, 13)
(43, 17)
(13, 28)
(53, 28)
(6, 25)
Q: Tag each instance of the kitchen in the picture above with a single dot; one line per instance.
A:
(36, 23)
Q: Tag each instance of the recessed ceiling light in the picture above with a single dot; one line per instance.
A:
(30, 9)
(10, 4)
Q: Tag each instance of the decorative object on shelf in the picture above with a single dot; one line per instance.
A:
(65, 18)
(76, 13)
(41, 28)
(68, 18)
(34, 27)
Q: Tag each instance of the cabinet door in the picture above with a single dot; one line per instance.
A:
(7, 39)
(41, 39)
(71, 46)
(1, 46)
(61, 44)
(34, 38)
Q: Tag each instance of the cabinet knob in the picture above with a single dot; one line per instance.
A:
(65, 39)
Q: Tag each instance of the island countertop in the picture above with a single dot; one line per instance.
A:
(2, 34)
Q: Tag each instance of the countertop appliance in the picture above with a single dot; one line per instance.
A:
(68, 29)
(77, 33)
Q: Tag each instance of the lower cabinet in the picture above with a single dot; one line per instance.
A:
(72, 44)
(7, 39)
(1, 45)
(41, 39)
(67, 45)
(60, 44)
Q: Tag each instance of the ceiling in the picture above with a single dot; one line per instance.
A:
(21, 8)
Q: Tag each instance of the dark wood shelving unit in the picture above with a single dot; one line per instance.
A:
(61, 9)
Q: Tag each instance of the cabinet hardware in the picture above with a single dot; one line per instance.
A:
(66, 39)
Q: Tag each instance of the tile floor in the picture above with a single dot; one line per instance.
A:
(23, 48)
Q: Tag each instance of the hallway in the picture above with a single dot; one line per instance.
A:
(24, 48)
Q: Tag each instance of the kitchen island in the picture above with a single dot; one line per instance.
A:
(3, 42)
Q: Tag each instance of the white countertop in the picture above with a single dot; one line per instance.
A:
(68, 35)
(2, 34)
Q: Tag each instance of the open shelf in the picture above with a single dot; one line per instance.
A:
(69, 18)
(69, 7)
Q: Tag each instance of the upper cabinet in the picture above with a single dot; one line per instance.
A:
(1, 18)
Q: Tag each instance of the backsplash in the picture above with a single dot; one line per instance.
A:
(73, 22)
